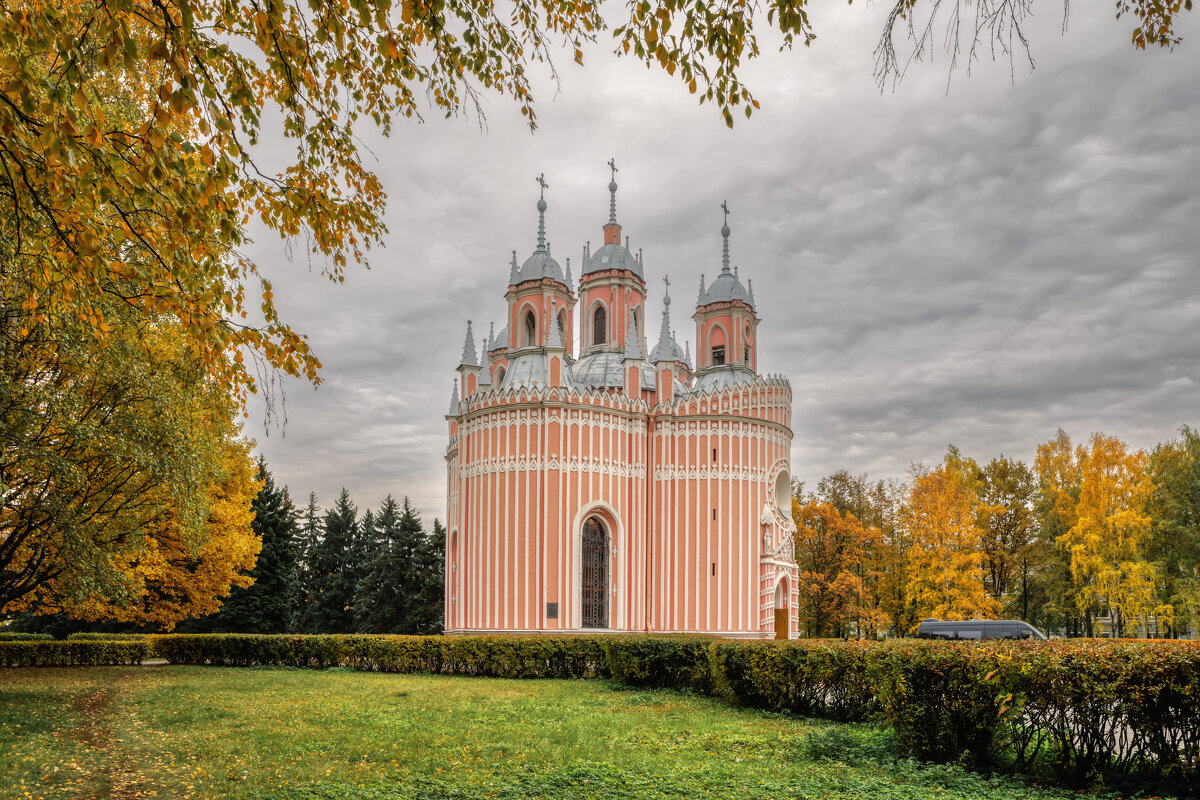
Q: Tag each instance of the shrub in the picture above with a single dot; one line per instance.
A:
(674, 662)
(817, 678)
(71, 654)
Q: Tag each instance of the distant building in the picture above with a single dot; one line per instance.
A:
(614, 487)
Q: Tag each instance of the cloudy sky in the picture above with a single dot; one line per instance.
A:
(977, 266)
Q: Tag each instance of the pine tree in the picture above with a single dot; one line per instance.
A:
(266, 605)
(330, 573)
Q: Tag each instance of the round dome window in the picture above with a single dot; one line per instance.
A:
(783, 493)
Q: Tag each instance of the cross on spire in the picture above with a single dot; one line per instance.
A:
(541, 207)
(725, 239)
(612, 193)
(667, 281)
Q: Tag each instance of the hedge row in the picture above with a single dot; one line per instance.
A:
(72, 653)
(6, 636)
(1077, 708)
(674, 661)
(107, 637)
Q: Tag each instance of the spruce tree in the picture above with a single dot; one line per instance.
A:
(266, 605)
(374, 606)
(433, 562)
(310, 534)
(330, 573)
(402, 593)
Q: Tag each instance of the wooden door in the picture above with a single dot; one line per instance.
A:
(781, 623)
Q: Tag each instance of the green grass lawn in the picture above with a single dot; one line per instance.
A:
(182, 732)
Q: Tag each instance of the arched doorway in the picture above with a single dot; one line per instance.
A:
(594, 564)
(781, 610)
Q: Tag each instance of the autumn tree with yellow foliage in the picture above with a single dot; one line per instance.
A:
(126, 486)
(1099, 495)
(839, 560)
(941, 516)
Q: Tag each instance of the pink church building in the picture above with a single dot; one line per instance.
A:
(612, 486)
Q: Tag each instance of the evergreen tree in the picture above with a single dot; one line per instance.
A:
(374, 604)
(266, 605)
(330, 573)
(402, 593)
(434, 582)
(310, 534)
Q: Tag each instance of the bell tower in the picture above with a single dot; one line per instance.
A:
(540, 298)
(726, 323)
(612, 288)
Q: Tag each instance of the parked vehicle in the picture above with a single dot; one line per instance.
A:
(978, 629)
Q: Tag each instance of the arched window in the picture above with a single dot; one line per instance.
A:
(499, 379)
(716, 339)
(562, 328)
(599, 326)
(530, 329)
(594, 595)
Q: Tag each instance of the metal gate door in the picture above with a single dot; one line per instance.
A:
(595, 575)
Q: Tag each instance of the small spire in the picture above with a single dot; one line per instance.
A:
(485, 375)
(725, 239)
(687, 354)
(700, 297)
(513, 275)
(664, 350)
(469, 359)
(633, 343)
(554, 339)
(541, 207)
(570, 283)
(612, 193)
(491, 340)
(751, 290)
(454, 403)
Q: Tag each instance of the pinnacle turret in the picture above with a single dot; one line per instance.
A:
(454, 402)
(665, 349)
(485, 374)
(469, 357)
(633, 342)
(513, 274)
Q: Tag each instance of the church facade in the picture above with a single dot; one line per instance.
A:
(612, 486)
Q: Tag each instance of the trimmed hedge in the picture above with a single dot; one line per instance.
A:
(24, 637)
(1076, 708)
(72, 654)
(107, 637)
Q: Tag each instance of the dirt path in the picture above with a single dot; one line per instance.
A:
(96, 711)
